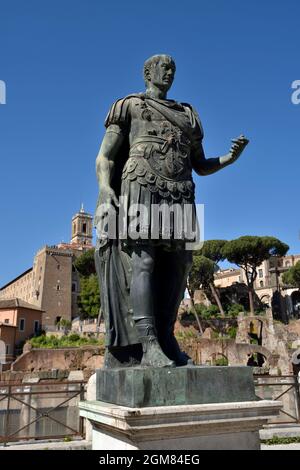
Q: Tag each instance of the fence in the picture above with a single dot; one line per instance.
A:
(284, 388)
(49, 410)
(45, 410)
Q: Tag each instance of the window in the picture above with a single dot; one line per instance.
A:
(58, 266)
(84, 227)
(58, 287)
(260, 273)
(6, 320)
(7, 349)
(22, 324)
(36, 326)
(74, 285)
(261, 283)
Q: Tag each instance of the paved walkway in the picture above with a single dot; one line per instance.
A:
(283, 430)
(84, 445)
(46, 445)
(281, 447)
(287, 430)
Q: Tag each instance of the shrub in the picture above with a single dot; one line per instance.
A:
(206, 312)
(213, 310)
(221, 361)
(73, 337)
(232, 330)
(234, 309)
(72, 340)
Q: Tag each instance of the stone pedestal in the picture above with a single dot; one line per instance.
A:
(182, 408)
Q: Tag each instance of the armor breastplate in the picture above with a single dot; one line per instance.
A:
(159, 155)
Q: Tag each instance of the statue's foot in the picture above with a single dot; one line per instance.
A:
(153, 355)
(172, 350)
(184, 360)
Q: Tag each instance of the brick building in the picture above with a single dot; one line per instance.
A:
(52, 283)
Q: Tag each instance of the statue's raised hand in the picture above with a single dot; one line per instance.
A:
(237, 148)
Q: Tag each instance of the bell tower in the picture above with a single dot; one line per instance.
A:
(82, 228)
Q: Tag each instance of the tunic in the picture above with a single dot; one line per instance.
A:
(156, 180)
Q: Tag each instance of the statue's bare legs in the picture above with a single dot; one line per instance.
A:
(171, 279)
(142, 301)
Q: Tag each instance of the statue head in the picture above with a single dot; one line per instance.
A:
(159, 70)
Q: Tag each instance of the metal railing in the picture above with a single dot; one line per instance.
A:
(284, 388)
(43, 410)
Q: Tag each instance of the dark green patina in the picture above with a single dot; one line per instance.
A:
(144, 387)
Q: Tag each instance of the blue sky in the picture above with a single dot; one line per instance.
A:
(65, 61)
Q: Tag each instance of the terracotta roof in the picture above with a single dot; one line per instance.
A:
(16, 302)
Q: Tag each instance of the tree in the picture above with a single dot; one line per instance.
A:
(248, 252)
(212, 249)
(89, 298)
(202, 273)
(85, 263)
(292, 276)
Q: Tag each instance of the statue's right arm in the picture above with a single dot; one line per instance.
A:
(105, 162)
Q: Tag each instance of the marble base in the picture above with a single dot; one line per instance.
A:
(229, 426)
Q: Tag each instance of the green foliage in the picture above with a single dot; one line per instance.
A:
(212, 249)
(188, 334)
(292, 276)
(89, 298)
(73, 337)
(202, 272)
(212, 310)
(85, 263)
(234, 309)
(232, 331)
(280, 440)
(54, 342)
(205, 312)
(221, 361)
(250, 251)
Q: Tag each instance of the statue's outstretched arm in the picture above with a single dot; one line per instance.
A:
(207, 166)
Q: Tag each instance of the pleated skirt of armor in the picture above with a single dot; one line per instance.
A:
(145, 217)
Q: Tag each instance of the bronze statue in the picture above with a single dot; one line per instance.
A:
(146, 159)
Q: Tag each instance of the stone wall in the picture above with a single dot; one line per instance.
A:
(276, 342)
(86, 357)
(206, 351)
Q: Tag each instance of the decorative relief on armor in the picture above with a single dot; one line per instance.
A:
(139, 169)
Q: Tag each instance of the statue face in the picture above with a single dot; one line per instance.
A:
(162, 74)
